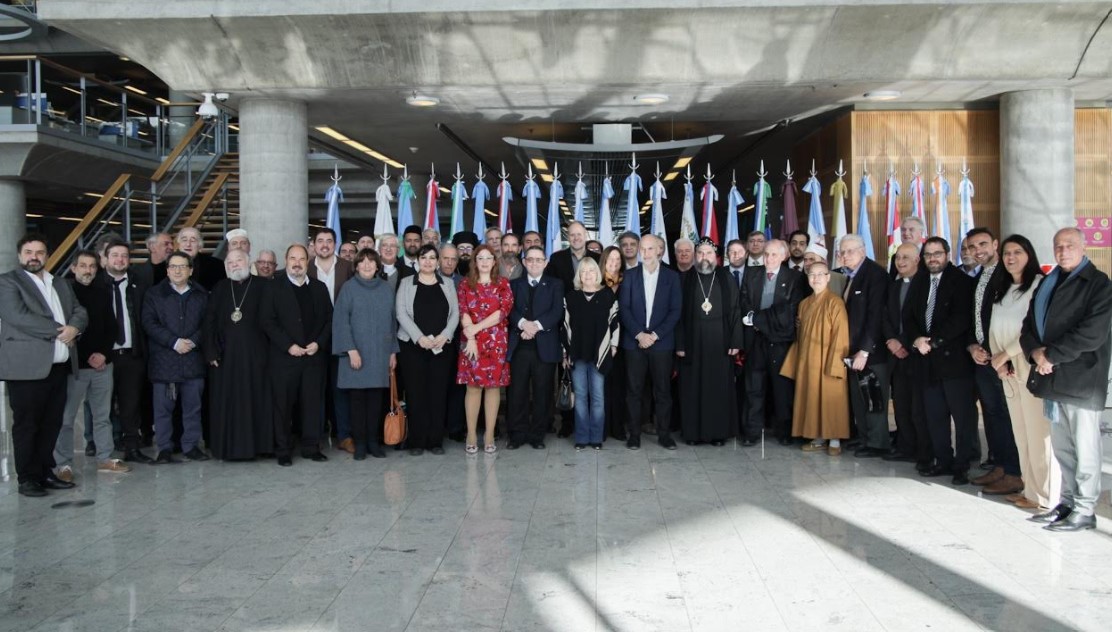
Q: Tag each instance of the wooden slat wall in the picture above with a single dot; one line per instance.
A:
(1093, 164)
(825, 147)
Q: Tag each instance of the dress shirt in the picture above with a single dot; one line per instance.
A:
(121, 288)
(650, 292)
(50, 295)
(328, 278)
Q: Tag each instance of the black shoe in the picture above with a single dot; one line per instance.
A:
(852, 444)
(961, 477)
(416, 451)
(513, 445)
(579, 447)
(164, 458)
(934, 470)
(437, 450)
(633, 443)
(1073, 522)
(31, 489)
(596, 446)
(619, 436)
(53, 482)
(137, 456)
(1061, 512)
(90, 449)
(285, 460)
(537, 445)
(360, 453)
(718, 443)
(315, 456)
(868, 453)
(922, 466)
(376, 451)
(748, 442)
(666, 442)
(196, 454)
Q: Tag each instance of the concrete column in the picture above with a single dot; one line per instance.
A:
(181, 117)
(1036, 166)
(13, 221)
(274, 173)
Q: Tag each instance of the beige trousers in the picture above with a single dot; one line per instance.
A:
(1042, 478)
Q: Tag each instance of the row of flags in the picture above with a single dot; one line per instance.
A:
(939, 224)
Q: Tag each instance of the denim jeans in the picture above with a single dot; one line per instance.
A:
(590, 407)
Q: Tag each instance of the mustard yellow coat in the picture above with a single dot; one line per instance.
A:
(821, 409)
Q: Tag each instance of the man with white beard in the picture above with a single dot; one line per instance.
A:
(240, 425)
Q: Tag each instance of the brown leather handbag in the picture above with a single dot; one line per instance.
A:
(394, 425)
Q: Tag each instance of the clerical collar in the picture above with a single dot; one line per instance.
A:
(389, 268)
(905, 279)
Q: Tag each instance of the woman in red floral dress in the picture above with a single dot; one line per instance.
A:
(485, 301)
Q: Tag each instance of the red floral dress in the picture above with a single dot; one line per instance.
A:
(490, 369)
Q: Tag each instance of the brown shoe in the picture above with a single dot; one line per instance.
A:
(347, 445)
(813, 447)
(987, 479)
(1007, 484)
(1014, 498)
(65, 473)
(113, 465)
(1023, 503)
(834, 450)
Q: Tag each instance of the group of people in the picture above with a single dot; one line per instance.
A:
(246, 360)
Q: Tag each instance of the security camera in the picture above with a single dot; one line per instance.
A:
(221, 96)
(208, 109)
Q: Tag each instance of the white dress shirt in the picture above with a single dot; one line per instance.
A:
(50, 295)
(650, 292)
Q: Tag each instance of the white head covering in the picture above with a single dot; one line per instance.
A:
(234, 233)
(819, 250)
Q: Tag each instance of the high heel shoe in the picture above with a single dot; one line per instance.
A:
(471, 449)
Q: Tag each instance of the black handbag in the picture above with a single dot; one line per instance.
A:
(565, 395)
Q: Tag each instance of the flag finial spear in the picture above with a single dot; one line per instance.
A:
(503, 174)
(579, 174)
(606, 169)
(459, 174)
(841, 169)
(530, 176)
(634, 164)
(761, 172)
(481, 175)
(813, 172)
(733, 177)
(788, 172)
(336, 177)
(964, 167)
(405, 172)
(865, 166)
(432, 174)
(915, 168)
(939, 170)
(891, 168)
(385, 173)
(555, 171)
(688, 176)
(709, 176)
(657, 170)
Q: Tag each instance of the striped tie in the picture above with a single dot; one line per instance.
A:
(930, 302)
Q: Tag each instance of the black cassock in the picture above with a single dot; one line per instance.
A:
(240, 419)
(708, 410)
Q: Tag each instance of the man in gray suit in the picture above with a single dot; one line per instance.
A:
(40, 319)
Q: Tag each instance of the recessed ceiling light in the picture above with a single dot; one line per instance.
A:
(655, 98)
(421, 100)
(883, 95)
(135, 90)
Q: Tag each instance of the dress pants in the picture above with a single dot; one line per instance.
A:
(762, 369)
(1076, 440)
(529, 373)
(617, 417)
(129, 378)
(428, 377)
(366, 415)
(298, 387)
(998, 423)
(1042, 478)
(337, 408)
(658, 366)
(912, 437)
(456, 413)
(946, 399)
(37, 408)
(166, 395)
(872, 427)
(95, 389)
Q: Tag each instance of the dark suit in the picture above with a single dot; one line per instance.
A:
(866, 295)
(208, 271)
(990, 390)
(36, 384)
(297, 380)
(533, 362)
(337, 407)
(946, 371)
(767, 342)
(560, 266)
(129, 364)
(912, 438)
(656, 361)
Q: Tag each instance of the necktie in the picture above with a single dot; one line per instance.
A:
(770, 275)
(845, 292)
(118, 304)
(737, 277)
(930, 302)
(533, 282)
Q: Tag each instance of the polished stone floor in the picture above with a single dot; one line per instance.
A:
(701, 538)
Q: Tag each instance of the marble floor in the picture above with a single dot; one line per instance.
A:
(701, 538)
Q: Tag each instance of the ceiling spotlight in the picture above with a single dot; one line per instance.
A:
(883, 95)
(421, 101)
(208, 109)
(650, 99)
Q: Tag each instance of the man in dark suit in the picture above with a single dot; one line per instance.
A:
(563, 265)
(937, 322)
(207, 269)
(770, 297)
(333, 271)
(912, 231)
(40, 320)
(388, 253)
(1066, 337)
(649, 306)
(1004, 457)
(127, 293)
(534, 350)
(912, 441)
(866, 295)
(296, 316)
(153, 270)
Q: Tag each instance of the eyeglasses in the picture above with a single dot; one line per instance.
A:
(940, 254)
(178, 266)
(534, 259)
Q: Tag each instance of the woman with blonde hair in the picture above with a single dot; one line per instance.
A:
(590, 342)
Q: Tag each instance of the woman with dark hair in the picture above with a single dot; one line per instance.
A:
(364, 330)
(427, 313)
(613, 271)
(485, 301)
(1011, 298)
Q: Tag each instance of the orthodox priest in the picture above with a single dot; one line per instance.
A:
(708, 338)
(235, 349)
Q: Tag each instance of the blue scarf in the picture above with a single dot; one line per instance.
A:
(1042, 306)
